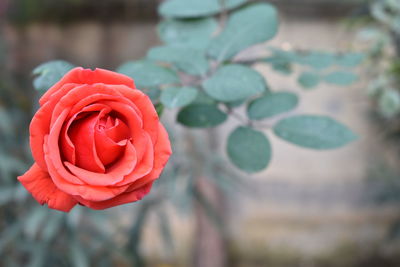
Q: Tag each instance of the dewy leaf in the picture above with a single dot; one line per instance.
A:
(342, 78)
(186, 59)
(148, 74)
(311, 131)
(201, 116)
(195, 8)
(249, 149)
(234, 82)
(49, 73)
(248, 26)
(271, 104)
(194, 33)
(174, 97)
(308, 79)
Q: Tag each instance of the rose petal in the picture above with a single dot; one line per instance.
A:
(123, 198)
(114, 174)
(110, 142)
(144, 104)
(40, 125)
(42, 188)
(143, 167)
(63, 179)
(81, 134)
(66, 145)
(162, 152)
(88, 76)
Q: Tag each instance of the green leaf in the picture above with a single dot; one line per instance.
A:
(350, 59)
(282, 67)
(174, 97)
(249, 149)
(308, 80)
(342, 78)
(389, 103)
(271, 104)
(152, 92)
(148, 74)
(311, 131)
(234, 82)
(236, 103)
(248, 26)
(159, 109)
(315, 59)
(186, 59)
(203, 98)
(195, 8)
(201, 116)
(49, 73)
(194, 33)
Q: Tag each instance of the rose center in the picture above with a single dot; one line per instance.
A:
(98, 139)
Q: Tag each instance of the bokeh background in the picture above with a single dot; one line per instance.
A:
(309, 208)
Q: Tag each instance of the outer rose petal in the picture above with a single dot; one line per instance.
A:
(42, 188)
(88, 76)
(124, 198)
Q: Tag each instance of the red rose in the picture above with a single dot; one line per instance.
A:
(96, 140)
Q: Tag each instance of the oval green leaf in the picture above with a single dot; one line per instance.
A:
(234, 82)
(351, 59)
(341, 78)
(148, 74)
(174, 97)
(248, 26)
(271, 104)
(201, 116)
(248, 149)
(186, 59)
(315, 59)
(194, 33)
(49, 73)
(195, 8)
(316, 132)
(308, 80)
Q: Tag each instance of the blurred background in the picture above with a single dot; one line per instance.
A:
(309, 208)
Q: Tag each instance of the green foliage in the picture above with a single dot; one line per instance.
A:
(315, 59)
(186, 59)
(195, 33)
(311, 131)
(271, 104)
(249, 149)
(389, 103)
(248, 26)
(174, 97)
(308, 80)
(148, 74)
(234, 82)
(351, 59)
(380, 31)
(47, 74)
(194, 8)
(196, 72)
(342, 78)
(201, 116)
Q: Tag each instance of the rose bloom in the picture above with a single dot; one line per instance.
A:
(96, 140)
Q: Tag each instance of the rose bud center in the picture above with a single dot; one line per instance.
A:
(95, 140)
